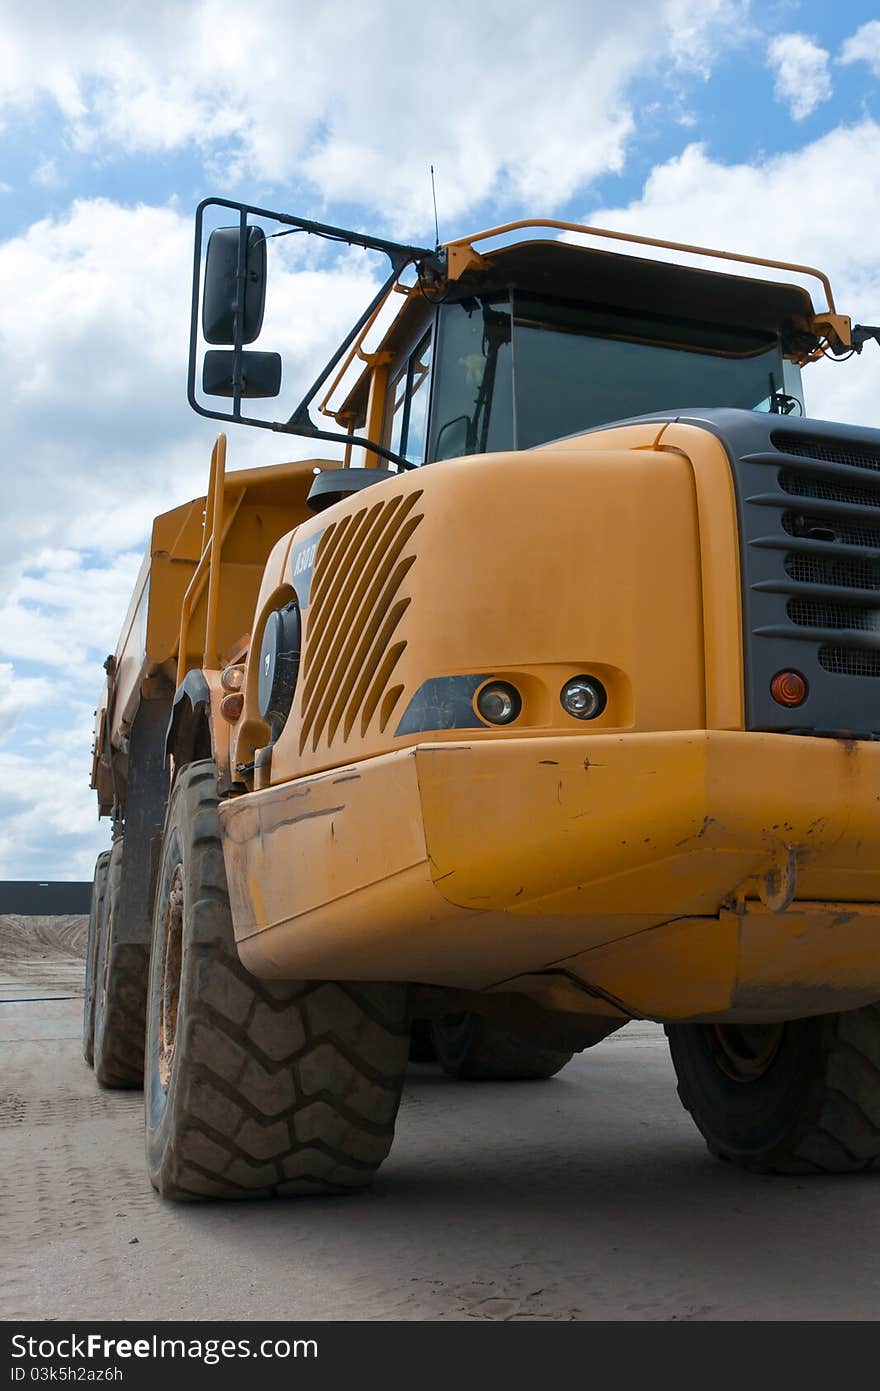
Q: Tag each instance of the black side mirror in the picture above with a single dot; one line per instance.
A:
(453, 439)
(221, 297)
(260, 374)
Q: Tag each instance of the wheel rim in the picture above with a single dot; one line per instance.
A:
(104, 961)
(172, 947)
(745, 1052)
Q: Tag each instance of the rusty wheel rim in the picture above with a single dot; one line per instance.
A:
(172, 949)
(745, 1052)
(105, 963)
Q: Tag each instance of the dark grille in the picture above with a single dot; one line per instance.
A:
(813, 613)
(804, 485)
(832, 451)
(840, 488)
(831, 529)
(808, 501)
(848, 661)
(833, 570)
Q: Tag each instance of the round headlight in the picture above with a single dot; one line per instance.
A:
(279, 666)
(583, 697)
(499, 703)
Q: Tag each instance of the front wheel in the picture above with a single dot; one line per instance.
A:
(794, 1098)
(255, 1088)
(471, 1049)
(98, 884)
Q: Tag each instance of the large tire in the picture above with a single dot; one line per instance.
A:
(120, 991)
(471, 1049)
(255, 1088)
(98, 883)
(797, 1098)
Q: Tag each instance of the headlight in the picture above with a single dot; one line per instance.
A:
(279, 666)
(499, 703)
(583, 697)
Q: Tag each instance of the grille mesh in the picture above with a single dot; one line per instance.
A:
(849, 661)
(841, 571)
(814, 613)
(832, 529)
(832, 451)
(355, 611)
(832, 491)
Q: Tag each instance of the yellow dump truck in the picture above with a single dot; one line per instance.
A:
(552, 704)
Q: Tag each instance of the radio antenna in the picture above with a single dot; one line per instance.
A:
(436, 222)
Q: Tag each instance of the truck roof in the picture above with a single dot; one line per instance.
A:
(625, 296)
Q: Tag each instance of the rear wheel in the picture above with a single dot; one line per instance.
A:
(794, 1098)
(98, 883)
(471, 1049)
(255, 1088)
(120, 991)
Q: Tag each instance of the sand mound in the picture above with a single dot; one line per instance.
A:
(42, 939)
(42, 955)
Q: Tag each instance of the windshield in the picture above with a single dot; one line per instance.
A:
(514, 372)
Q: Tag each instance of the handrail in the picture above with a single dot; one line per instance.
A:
(208, 566)
(649, 241)
(209, 658)
(561, 225)
(353, 352)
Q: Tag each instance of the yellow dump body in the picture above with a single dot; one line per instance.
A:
(167, 630)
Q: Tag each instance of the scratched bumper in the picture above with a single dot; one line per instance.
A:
(473, 864)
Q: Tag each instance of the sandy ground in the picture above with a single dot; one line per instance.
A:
(587, 1197)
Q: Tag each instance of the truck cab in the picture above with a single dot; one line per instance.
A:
(549, 339)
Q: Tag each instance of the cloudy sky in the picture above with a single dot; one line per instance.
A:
(730, 123)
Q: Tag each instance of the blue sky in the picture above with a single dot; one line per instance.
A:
(728, 123)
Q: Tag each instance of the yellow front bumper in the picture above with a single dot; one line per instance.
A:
(677, 875)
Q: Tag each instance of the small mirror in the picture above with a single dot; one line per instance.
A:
(221, 285)
(260, 374)
(452, 440)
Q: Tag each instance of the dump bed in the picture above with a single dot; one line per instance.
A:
(193, 601)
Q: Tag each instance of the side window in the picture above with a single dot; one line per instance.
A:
(408, 399)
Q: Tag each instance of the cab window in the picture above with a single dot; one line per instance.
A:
(408, 395)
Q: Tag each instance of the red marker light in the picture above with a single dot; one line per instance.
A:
(788, 688)
(231, 707)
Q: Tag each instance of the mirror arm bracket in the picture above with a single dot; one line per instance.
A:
(305, 426)
(300, 421)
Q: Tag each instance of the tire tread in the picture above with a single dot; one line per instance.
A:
(838, 1129)
(254, 1071)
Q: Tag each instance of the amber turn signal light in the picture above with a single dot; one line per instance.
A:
(788, 688)
(231, 707)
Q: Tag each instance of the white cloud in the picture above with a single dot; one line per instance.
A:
(803, 79)
(48, 816)
(93, 349)
(864, 46)
(760, 210)
(18, 694)
(64, 609)
(98, 438)
(47, 175)
(511, 103)
(49, 820)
